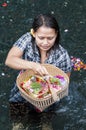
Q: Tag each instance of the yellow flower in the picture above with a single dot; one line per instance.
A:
(32, 32)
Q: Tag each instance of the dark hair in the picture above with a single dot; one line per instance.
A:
(47, 21)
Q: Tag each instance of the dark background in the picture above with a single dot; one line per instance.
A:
(16, 19)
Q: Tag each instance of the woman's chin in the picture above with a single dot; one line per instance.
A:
(45, 49)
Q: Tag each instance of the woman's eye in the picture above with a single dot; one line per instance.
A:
(50, 38)
(41, 38)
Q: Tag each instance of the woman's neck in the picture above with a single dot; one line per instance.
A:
(43, 56)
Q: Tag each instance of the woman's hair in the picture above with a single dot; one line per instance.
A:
(47, 21)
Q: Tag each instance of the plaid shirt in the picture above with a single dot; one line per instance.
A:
(58, 57)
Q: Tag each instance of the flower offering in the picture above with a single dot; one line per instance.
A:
(77, 64)
(40, 87)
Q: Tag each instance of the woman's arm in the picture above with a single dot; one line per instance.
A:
(14, 60)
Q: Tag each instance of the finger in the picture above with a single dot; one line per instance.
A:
(44, 71)
(38, 71)
(41, 70)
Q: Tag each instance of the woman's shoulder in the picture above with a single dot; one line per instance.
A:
(61, 48)
(27, 36)
(23, 41)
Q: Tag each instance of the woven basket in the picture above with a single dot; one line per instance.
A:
(43, 103)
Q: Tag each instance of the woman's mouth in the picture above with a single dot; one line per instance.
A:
(45, 47)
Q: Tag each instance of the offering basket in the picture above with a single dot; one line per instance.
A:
(43, 103)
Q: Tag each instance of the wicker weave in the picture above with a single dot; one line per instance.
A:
(43, 103)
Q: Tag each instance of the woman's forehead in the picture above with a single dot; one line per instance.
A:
(46, 30)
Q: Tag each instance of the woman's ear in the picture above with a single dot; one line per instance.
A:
(32, 32)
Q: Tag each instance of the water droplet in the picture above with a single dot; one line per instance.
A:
(66, 30)
(3, 74)
(3, 17)
(52, 12)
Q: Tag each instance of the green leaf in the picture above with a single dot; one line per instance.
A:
(35, 85)
(54, 80)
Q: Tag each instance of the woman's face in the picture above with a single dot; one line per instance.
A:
(45, 38)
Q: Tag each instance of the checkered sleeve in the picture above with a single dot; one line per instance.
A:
(22, 42)
(66, 62)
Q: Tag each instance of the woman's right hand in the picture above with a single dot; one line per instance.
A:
(39, 69)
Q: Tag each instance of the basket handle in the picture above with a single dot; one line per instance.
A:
(53, 93)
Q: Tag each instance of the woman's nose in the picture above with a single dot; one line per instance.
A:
(45, 42)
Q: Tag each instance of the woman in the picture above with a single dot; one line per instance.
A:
(39, 46)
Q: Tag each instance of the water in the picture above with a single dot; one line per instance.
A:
(16, 19)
